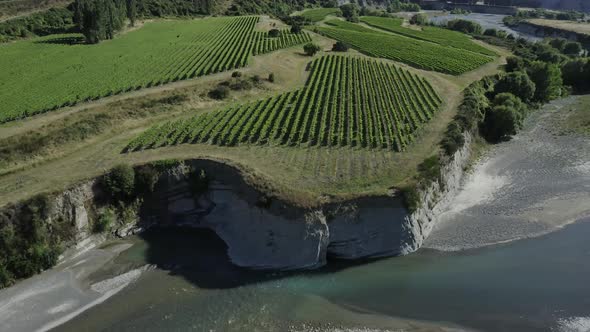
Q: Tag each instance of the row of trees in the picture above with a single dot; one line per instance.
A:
(101, 19)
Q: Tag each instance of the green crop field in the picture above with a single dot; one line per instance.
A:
(47, 73)
(415, 52)
(433, 34)
(347, 101)
(265, 44)
(318, 14)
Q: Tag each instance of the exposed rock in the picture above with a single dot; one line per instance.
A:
(262, 232)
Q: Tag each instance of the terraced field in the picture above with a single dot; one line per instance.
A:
(347, 101)
(411, 50)
(433, 34)
(266, 44)
(47, 73)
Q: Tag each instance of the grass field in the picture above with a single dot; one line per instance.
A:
(440, 36)
(318, 14)
(44, 74)
(415, 52)
(348, 101)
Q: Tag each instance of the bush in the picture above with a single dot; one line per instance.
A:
(419, 19)
(547, 79)
(236, 74)
(105, 220)
(146, 178)
(296, 28)
(576, 73)
(340, 47)
(119, 183)
(271, 77)
(505, 118)
(240, 84)
(311, 48)
(350, 12)
(255, 79)
(220, 92)
(273, 33)
(465, 26)
(572, 49)
(514, 63)
(517, 83)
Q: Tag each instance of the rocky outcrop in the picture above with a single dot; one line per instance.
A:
(266, 233)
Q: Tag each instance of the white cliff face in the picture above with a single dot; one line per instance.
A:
(275, 235)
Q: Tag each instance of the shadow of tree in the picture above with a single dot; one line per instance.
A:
(73, 40)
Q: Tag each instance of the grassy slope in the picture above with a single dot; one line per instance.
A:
(303, 175)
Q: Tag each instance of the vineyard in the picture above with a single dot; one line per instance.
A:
(265, 44)
(432, 34)
(47, 73)
(347, 101)
(415, 52)
(318, 14)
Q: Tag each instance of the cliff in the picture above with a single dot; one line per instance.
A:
(264, 232)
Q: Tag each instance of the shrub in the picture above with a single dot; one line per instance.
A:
(236, 73)
(340, 47)
(274, 33)
(514, 63)
(350, 12)
(105, 220)
(256, 79)
(240, 84)
(517, 83)
(271, 77)
(311, 48)
(119, 183)
(296, 28)
(220, 92)
(465, 26)
(419, 19)
(146, 178)
(548, 81)
(572, 49)
(505, 118)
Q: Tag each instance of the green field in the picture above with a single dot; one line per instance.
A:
(413, 51)
(47, 73)
(265, 44)
(437, 35)
(318, 14)
(347, 101)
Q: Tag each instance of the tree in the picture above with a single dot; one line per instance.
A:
(220, 92)
(311, 48)
(350, 12)
(131, 11)
(572, 49)
(340, 47)
(419, 19)
(504, 118)
(119, 183)
(547, 79)
(574, 74)
(514, 63)
(517, 83)
(465, 26)
(296, 28)
(274, 33)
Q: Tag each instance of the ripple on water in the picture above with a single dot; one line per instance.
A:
(573, 324)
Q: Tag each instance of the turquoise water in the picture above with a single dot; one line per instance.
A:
(530, 285)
